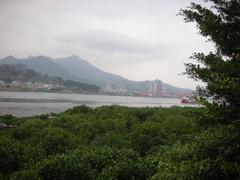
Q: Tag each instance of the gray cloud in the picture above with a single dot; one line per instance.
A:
(109, 41)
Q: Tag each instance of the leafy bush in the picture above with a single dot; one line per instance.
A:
(212, 154)
(115, 142)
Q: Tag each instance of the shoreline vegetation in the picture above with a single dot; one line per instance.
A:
(118, 142)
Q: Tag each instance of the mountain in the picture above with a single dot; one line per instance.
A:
(11, 72)
(82, 69)
(77, 69)
(89, 73)
(41, 64)
(172, 89)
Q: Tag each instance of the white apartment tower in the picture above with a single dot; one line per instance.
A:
(155, 88)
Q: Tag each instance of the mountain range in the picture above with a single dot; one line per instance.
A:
(77, 69)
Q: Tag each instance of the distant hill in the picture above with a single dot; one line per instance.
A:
(41, 64)
(172, 89)
(82, 69)
(89, 73)
(18, 72)
(77, 69)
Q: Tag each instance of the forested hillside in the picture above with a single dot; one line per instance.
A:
(10, 73)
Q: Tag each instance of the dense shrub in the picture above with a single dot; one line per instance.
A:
(212, 154)
(114, 142)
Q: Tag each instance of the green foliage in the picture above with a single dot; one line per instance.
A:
(9, 150)
(114, 142)
(9, 119)
(147, 135)
(90, 163)
(56, 140)
(79, 109)
(212, 154)
(219, 69)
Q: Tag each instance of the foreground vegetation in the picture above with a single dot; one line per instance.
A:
(114, 142)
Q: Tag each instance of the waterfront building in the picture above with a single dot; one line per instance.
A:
(155, 88)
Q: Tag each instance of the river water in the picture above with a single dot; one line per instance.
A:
(35, 103)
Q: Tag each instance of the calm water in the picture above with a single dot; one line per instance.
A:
(34, 103)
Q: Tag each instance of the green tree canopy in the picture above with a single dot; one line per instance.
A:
(219, 21)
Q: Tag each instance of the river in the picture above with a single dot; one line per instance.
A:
(35, 103)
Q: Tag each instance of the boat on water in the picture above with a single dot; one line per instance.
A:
(188, 100)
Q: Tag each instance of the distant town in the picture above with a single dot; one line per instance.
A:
(18, 85)
(155, 89)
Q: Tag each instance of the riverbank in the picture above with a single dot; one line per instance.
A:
(35, 103)
(11, 89)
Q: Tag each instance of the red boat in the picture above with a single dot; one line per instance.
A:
(188, 100)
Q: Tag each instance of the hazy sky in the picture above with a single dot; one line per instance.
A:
(138, 39)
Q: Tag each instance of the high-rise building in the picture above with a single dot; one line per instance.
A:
(155, 88)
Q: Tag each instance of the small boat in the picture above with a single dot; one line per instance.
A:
(188, 100)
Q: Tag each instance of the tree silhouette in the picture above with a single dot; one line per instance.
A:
(219, 70)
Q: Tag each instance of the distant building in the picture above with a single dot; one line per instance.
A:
(108, 88)
(29, 84)
(41, 86)
(16, 84)
(155, 88)
(142, 94)
(2, 84)
(164, 91)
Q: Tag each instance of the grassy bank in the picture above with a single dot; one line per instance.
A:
(119, 143)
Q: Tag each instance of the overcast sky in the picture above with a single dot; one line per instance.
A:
(138, 39)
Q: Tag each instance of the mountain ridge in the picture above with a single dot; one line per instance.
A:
(77, 69)
(41, 64)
